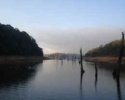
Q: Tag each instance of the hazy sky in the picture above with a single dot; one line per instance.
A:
(66, 25)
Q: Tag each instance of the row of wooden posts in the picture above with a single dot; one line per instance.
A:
(116, 71)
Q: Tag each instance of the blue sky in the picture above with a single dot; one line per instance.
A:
(39, 15)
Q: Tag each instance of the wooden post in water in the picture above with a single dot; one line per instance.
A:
(121, 49)
(82, 70)
(117, 70)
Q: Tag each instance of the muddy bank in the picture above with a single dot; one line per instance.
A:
(21, 59)
(104, 59)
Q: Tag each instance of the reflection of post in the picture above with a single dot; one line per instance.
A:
(82, 70)
(117, 70)
(67, 58)
(118, 89)
(81, 77)
(56, 63)
(72, 63)
(62, 62)
(96, 75)
(117, 79)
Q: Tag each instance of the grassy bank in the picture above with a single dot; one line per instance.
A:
(106, 59)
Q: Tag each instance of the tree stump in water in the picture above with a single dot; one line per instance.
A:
(82, 70)
(116, 72)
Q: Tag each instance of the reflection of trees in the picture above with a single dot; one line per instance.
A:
(15, 74)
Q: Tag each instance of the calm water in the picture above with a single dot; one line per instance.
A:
(56, 80)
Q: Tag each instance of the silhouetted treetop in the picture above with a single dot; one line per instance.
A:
(13, 42)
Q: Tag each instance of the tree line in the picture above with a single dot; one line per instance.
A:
(14, 42)
(110, 49)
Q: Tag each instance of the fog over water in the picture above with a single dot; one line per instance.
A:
(66, 25)
(70, 40)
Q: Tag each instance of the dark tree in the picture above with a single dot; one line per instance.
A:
(13, 42)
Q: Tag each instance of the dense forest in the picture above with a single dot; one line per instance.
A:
(13, 42)
(110, 49)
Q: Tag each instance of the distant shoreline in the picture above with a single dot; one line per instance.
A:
(106, 59)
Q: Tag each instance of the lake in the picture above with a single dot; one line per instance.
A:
(57, 80)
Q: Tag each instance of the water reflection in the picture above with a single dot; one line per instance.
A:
(96, 75)
(73, 63)
(56, 63)
(15, 74)
(118, 89)
(117, 79)
(81, 77)
(46, 83)
(62, 62)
